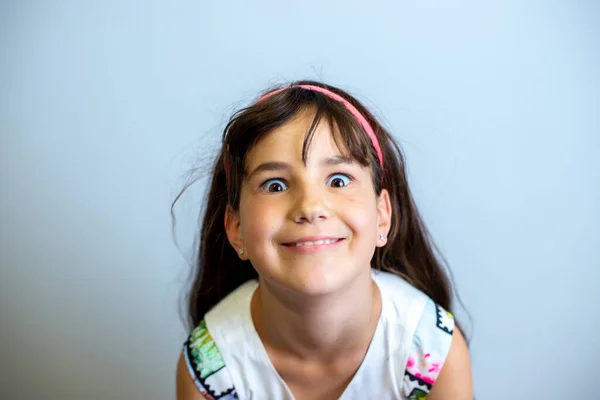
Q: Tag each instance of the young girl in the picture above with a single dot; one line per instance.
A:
(316, 278)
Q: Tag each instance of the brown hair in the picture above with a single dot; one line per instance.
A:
(409, 253)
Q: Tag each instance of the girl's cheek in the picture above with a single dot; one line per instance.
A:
(259, 220)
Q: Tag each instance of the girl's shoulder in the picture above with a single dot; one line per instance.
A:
(429, 349)
(423, 326)
(228, 321)
(206, 366)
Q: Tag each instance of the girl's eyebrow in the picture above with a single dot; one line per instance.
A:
(337, 160)
(269, 166)
(283, 166)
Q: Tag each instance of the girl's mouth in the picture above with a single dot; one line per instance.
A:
(309, 246)
(314, 243)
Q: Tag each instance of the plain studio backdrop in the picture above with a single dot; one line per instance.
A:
(106, 105)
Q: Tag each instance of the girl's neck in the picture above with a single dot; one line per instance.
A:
(318, 329)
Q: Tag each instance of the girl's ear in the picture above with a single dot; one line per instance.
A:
(234, 233)
(384, 217)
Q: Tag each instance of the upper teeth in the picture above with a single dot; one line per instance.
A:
(316, 242)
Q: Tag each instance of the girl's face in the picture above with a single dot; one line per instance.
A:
(307, 228)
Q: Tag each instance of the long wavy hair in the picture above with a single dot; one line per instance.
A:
(409, 252)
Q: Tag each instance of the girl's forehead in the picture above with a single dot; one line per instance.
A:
(287, 141)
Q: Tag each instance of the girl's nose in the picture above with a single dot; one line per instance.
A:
(310, 207)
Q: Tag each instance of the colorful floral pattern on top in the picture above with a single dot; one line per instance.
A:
(206, 365)
(431, 344)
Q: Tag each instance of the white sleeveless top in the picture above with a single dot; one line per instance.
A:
(227, 359)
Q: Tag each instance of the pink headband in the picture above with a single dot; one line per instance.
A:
(359, 117)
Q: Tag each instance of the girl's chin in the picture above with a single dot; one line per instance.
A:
(314, 280)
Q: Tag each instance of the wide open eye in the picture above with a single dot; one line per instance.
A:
(274, 185)
(339, 180)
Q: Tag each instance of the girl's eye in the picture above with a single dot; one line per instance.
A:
(274, 185)
(339, 180)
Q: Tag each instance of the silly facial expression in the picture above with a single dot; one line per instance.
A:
(308, 227)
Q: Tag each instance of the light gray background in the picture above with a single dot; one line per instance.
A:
(105, 105)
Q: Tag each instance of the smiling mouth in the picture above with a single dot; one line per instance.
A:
(313, 243)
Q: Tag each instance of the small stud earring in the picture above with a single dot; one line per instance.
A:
(381, 236)
(241, 251)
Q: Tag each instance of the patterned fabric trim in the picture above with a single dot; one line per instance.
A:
(206, 366)
(430, 347)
